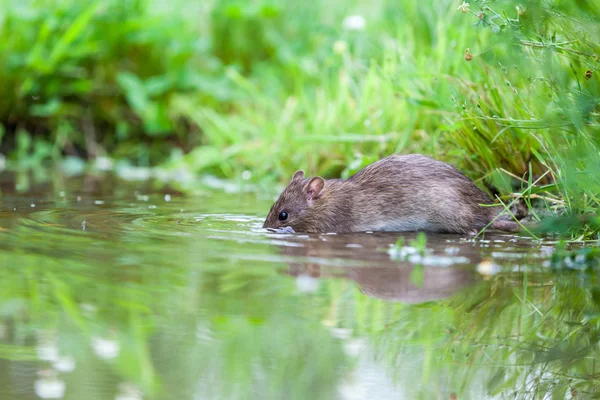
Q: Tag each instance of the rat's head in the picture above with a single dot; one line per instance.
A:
(294, 208)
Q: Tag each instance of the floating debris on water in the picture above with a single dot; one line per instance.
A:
(423, 257)
(506, 255)
(488, 268)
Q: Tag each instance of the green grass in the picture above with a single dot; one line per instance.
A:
(274, 86)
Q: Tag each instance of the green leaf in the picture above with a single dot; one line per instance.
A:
(134, 91)
(74, 31)
(52, 107)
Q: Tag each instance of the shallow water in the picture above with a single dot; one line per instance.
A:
(121, 290)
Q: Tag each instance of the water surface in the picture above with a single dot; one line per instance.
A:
(129, 290)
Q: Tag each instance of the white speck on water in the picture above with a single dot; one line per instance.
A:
(105, 348)
(546, 251)
(401, 252)
(142, 197)
(98, 202)
(65, 364)
(436, 261)
(151, 206)
(246, 175)
(50, 388)
(167, 198)
(78, 198)
(412, 255)
(47, 351)
(15, 209)
(451, 250)
(306, 284)
(32, 205)
(354, 23)
(488, 268)
(506, 255)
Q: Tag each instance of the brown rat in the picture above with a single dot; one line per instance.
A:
(396, 194)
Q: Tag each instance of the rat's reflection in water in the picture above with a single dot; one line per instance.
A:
(378, 275)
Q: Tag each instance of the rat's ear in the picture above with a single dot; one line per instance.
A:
(314, 188)
(298, 175)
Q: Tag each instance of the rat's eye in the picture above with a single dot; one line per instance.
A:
(283, 216)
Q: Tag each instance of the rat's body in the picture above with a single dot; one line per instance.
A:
(396, 194)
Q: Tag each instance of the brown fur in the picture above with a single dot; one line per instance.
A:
(398, 193)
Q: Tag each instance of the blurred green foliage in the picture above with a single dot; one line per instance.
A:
(506, 90)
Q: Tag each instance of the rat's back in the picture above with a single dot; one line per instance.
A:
(414, 192)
